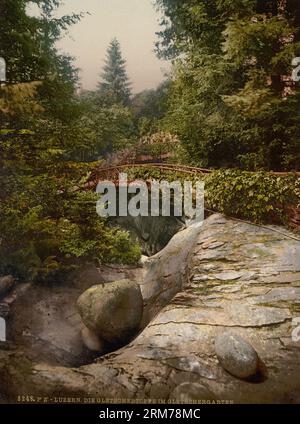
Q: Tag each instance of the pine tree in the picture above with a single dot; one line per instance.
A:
(115, 83)
(44, 141)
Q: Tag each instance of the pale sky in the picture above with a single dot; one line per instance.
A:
(133, 22)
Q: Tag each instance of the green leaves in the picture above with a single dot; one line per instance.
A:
(232, 101)
(48, 138)
(259, 197)
(256, 196)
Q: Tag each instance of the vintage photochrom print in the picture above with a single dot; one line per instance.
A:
(150, 207)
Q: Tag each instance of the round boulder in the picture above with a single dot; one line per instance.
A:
(236, 355)
(112, 311)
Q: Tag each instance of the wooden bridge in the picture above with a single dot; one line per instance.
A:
(112, 173)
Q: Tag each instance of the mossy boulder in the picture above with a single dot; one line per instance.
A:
(236, 355)
(113, 311)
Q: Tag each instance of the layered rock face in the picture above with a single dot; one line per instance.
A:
(220, 307)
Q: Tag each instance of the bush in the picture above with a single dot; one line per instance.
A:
(258, 197)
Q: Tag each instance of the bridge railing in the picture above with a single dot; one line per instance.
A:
(111, 173)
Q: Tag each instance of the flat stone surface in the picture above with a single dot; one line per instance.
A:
(283, 294)
(228, 276)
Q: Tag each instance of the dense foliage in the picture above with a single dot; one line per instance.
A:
(149, 107)
(233, 103)
(110, 124)
(47, 135)
(258, 197)
(255, 196)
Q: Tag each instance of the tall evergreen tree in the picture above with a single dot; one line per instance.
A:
(45, 225)
(115, 83)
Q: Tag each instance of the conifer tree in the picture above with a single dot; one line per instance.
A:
(45, 140)
(115, 83)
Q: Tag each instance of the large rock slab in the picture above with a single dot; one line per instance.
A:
(165, 273)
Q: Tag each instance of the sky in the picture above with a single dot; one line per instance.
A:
(133, 22)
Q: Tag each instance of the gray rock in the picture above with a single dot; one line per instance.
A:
(191, 391)
(236, 355)
(113, 311)
(229, 276)
(277, 295)
(216, 245)
(6, 284)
